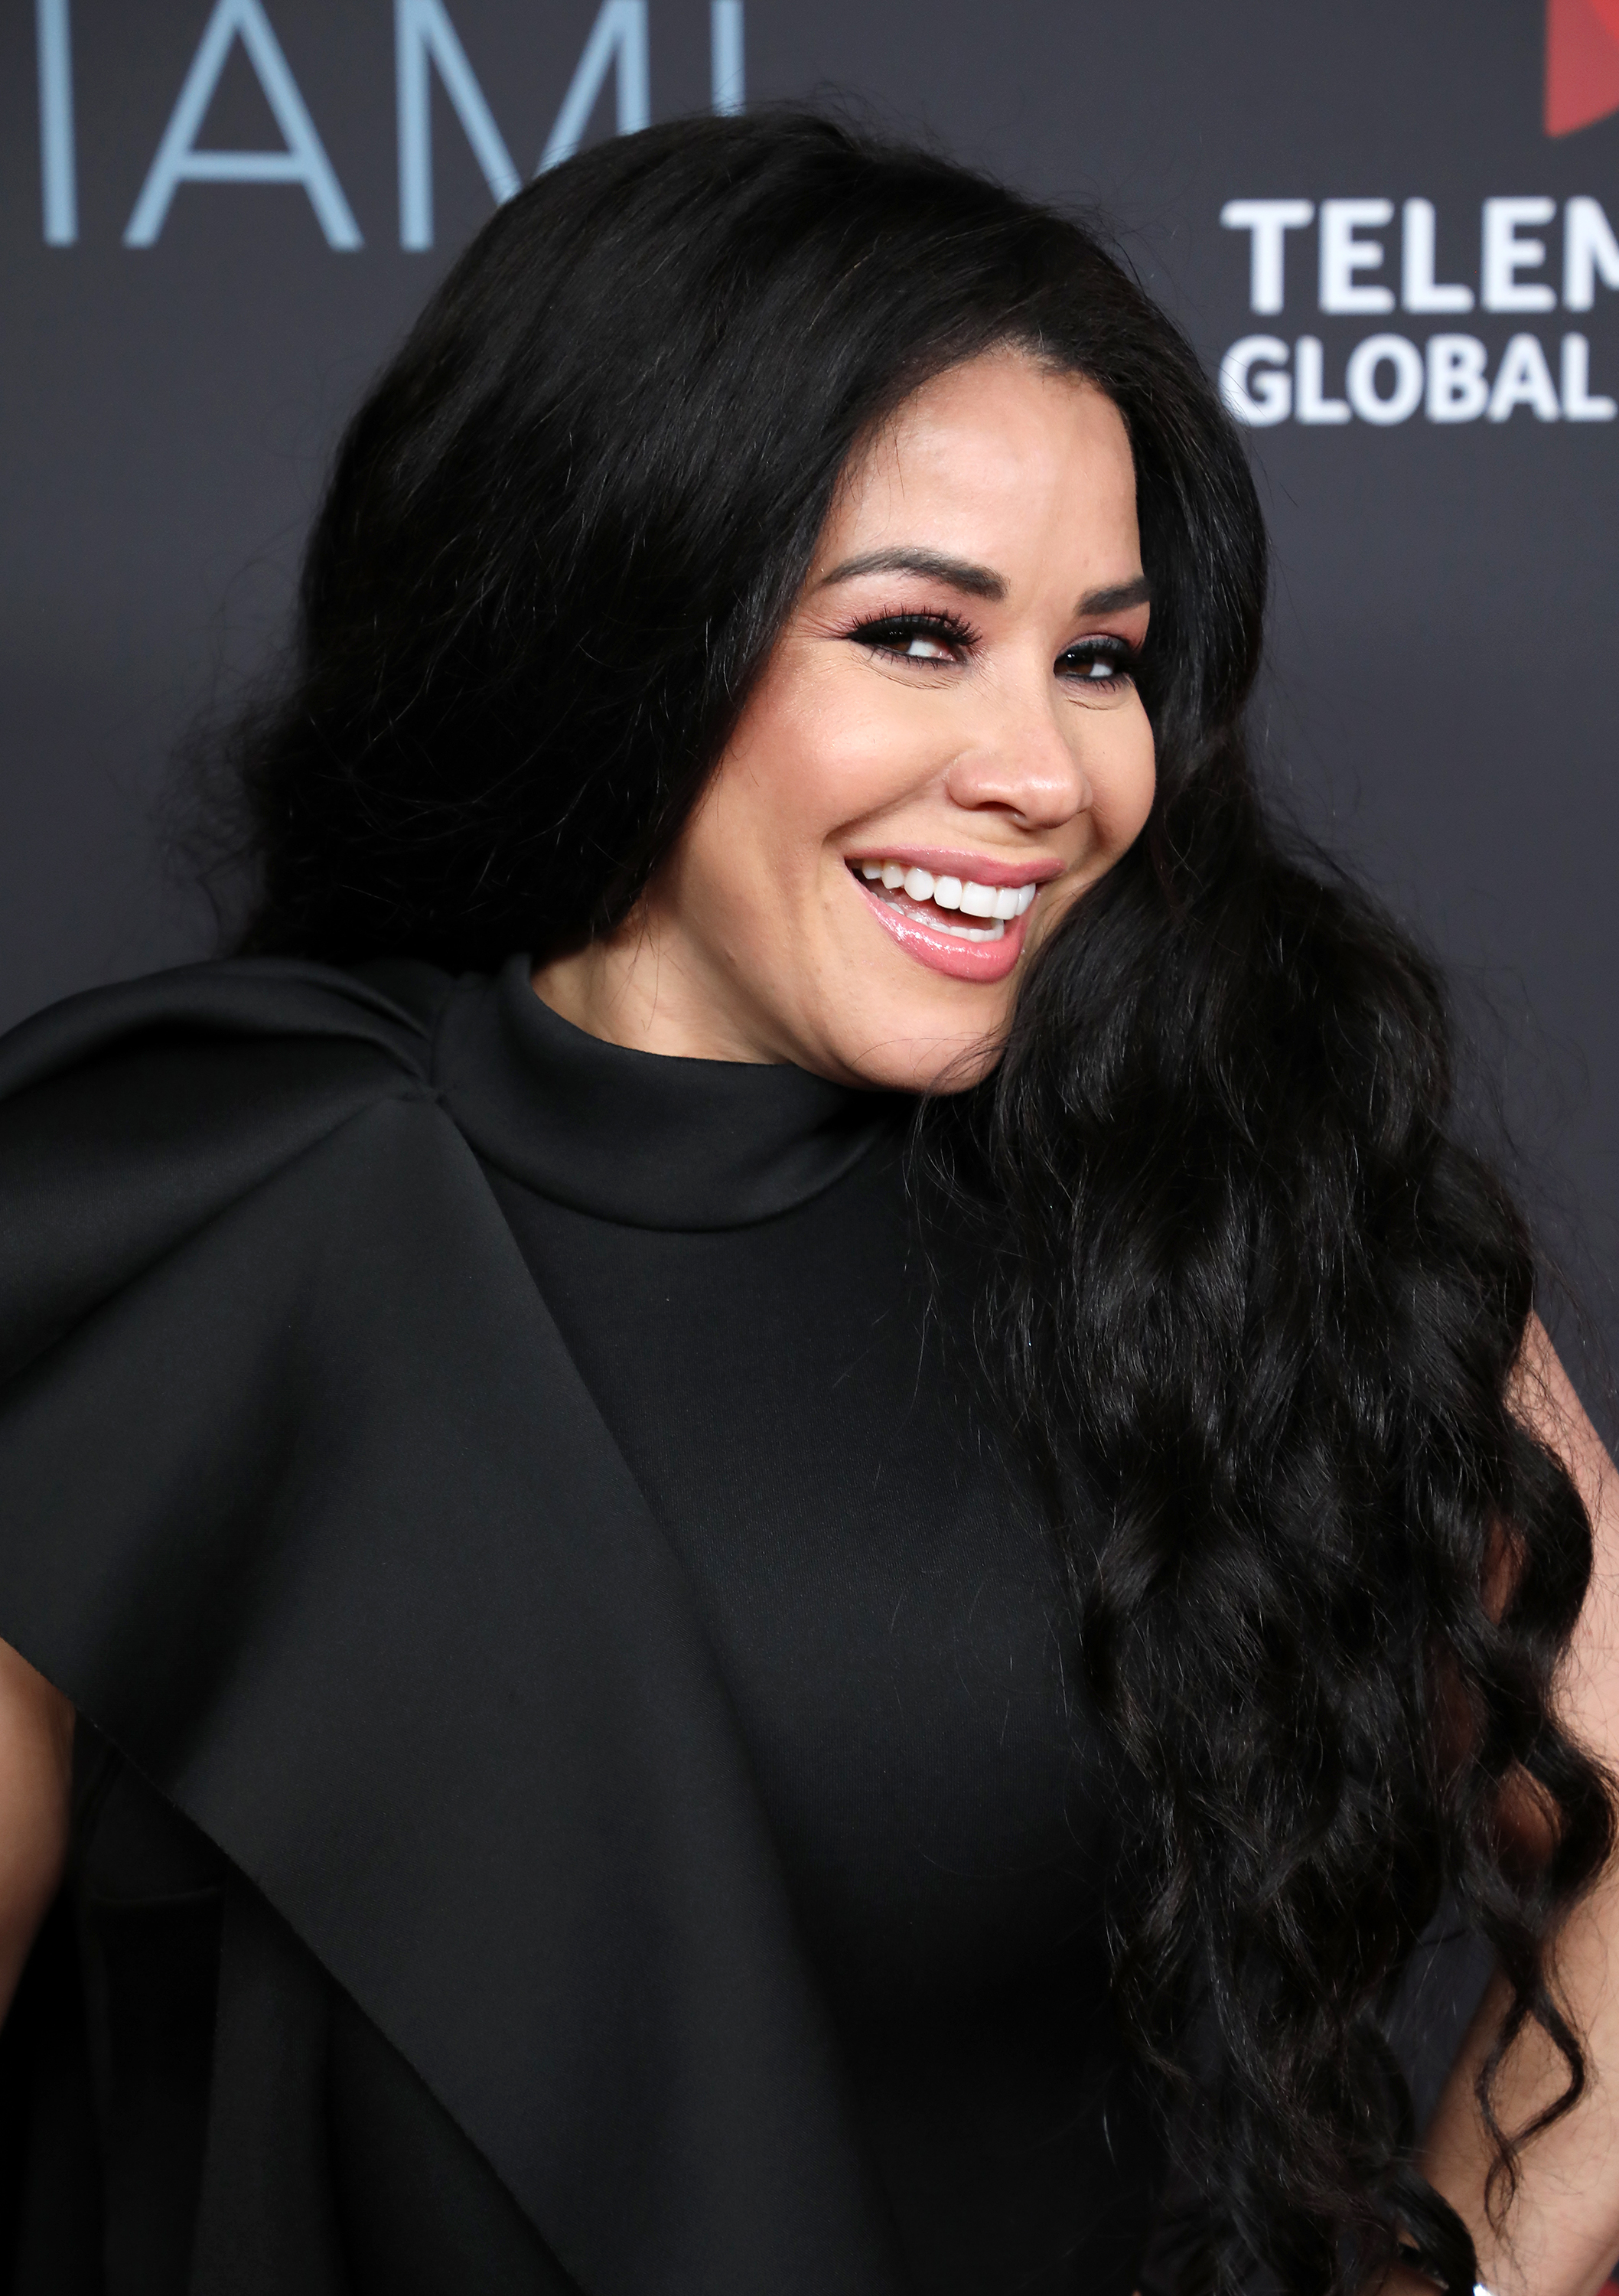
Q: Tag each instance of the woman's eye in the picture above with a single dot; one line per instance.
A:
(912, 638)
(1101, 667)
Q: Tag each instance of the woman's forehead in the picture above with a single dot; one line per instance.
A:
(991, 460)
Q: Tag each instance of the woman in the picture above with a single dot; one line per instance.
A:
(649, 1670)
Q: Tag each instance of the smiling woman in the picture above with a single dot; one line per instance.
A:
(778, 1481)
(947, 743)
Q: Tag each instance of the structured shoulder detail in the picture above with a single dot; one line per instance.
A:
(133, 1118)
(243, 997)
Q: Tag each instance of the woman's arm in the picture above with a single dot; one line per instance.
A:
(1561, 2236)
(35, 1781)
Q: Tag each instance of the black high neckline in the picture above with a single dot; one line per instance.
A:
(641, 1138)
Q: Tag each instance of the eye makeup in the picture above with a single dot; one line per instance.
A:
(1101, 662)
(909, 636)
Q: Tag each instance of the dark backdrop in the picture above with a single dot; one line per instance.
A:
(1442, 702)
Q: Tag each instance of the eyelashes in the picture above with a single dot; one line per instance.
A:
(917, 637)
(1102, 664)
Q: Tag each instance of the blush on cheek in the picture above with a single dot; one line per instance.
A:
(1121, 801)
(1140, 812)
(1121, 804)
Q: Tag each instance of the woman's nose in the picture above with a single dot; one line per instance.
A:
(1023, 764)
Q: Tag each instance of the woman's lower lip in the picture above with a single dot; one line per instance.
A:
(944, 952)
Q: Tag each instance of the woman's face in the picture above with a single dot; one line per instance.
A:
(946, 748)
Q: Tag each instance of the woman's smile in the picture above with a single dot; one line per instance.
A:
(965, 916)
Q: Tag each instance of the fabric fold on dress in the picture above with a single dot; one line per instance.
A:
(303, 1504)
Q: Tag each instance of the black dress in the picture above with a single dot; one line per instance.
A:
(581, 1782)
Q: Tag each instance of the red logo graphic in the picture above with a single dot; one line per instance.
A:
(1581, 63)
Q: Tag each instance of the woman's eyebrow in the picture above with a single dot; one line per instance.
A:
(982, 582)
(979, 581)
(960, 573)
(1119, 599)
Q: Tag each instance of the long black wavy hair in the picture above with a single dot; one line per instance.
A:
(1260, 1309)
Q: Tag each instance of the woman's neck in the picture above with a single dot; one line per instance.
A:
(647, 990)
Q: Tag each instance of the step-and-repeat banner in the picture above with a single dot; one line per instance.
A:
(1391, 229)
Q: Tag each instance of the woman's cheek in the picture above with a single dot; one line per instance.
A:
(1122, 768)
(1124, 802)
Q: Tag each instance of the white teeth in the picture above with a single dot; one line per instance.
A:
(995, 931)
(997, 904)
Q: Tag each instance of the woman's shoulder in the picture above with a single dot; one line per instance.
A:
(383, 1012)
(207, 1069)
(133, 1118)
